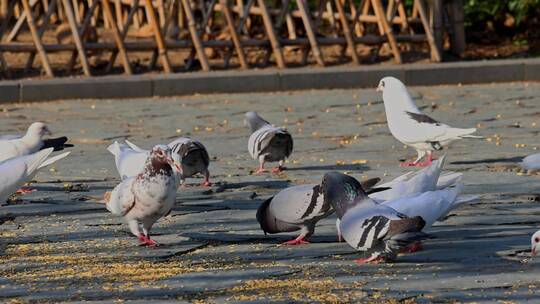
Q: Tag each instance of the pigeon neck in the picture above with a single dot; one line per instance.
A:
(155, 167)
(255, 123)
(31, 139)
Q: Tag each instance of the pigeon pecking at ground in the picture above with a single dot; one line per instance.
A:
(143, 199)
(17, 171)
(413, 128)
(194, 158)
(297, 208)
(31, 142)
(365, 225)
(268, 143)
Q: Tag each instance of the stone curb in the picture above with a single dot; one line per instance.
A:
(268, 80)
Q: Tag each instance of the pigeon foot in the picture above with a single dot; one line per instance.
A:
(146, 241)
(206, 184)
(414, 247)
(278, 169)
(260, 170)
(297, 241)
(25, 190)
(371, 260)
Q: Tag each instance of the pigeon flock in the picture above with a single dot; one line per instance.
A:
(381, 220)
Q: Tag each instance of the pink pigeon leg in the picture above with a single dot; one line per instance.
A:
(297, 241)
(206, 182)
(25, 190)
(414, 247)
(146, 241)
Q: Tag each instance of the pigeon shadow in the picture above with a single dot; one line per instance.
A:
(516, 159)
(331, 168)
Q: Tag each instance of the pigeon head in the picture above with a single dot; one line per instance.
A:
(341, 191)
(254, 121)
(38, 130)
(390, 83)
(535, 243)
(160, 160)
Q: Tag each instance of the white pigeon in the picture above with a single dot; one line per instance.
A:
(129, 162)
(143, 199)
(267, 143)
(366, 225)
(31, 142)
(17, 171)
(413, 128)
(531, 163)
(535, 243)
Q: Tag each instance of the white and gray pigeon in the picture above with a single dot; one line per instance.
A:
(297, 208)
(377, 229)
(531, 163)
(268, 143)
(17, 171)
(413, 128)
(31, 142)
(143, 199)
(193, 157)
(535, 243)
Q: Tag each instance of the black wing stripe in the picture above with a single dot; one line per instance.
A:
(377, 223)
(313, 202)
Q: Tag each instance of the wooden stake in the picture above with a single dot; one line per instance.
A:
(117, 38)
(35, 38)
(347, 31)
(234, 34)
(435, 51)
(379, 12)
(76, 38)
(308, 24)
(195, 36)
(276, 46)
(162, 49)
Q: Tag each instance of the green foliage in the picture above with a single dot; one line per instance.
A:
(481, 11)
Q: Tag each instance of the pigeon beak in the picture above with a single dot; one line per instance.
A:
(533, 252)
(174, 164)
(379, 88)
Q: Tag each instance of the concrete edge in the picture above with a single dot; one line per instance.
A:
(344, 77)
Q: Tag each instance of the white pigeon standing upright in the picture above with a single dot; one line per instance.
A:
(413, 128)
(267, 143)
(31, 142)
(531, 163)
(17, 171)
(143, 199)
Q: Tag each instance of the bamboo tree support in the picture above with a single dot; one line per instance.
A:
(347, 31)
(379, 12)
(125, 28)
(5, 22)
(243, 13)
(77, 38)
(308, 24)
(234, 35)
(276, 46)
(435, 51)
(106, 6)
(35, 38)
(195, 35)
(45, 23)
(82, 31)
(162, 49)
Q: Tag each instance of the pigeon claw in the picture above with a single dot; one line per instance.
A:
(146, 241)
(25, 190)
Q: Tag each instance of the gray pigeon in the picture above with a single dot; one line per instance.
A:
(31, 142)
(268, 143)
(365, 225)
(194, 158)
(297, 208)
(143, 199)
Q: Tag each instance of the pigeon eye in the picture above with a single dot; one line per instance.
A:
(536, 239)
(382, 83)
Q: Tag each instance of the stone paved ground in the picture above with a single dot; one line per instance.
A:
(59, 244)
